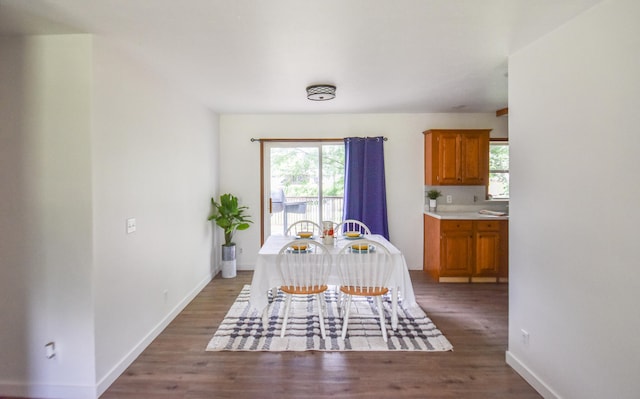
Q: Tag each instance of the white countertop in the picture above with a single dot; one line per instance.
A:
(464, 216)
(462, 213)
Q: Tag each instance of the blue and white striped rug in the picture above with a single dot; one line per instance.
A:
(242, 329)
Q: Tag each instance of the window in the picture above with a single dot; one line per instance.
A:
(498, 169)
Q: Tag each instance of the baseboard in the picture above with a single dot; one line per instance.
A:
(23, 390)
(244, 267)
(106, 381)
(529, 376)
(453, 279)
(484, 280)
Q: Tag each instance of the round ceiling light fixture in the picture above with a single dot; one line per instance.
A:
(321, 92)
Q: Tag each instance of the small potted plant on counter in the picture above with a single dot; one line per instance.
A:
(433, 196)
(230, 217)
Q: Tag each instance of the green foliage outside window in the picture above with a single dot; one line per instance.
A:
(499, 170)
(298, 171)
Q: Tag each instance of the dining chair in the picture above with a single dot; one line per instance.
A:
(364, 267)
(352, 226)
(304, 226)
(304, 267)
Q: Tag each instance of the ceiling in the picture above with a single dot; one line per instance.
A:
(258, 56)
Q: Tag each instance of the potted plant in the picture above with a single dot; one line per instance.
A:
(230, 217)
(433, 196)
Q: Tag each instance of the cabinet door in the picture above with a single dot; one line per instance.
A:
(430, 158)
(487, 261)
(456, 253)
(448, 158)
(474, 163)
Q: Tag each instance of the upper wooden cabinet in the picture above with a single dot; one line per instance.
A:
(456, 157)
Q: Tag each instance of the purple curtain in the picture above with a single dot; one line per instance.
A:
(365, 197)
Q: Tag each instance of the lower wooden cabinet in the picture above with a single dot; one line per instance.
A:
(456, 246)
(466, 250)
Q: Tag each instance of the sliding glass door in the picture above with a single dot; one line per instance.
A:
(302, 180)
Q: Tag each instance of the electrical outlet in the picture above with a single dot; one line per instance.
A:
(449, 199)
(131, 225)
(525, 337)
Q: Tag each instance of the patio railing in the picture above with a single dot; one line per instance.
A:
(331, 210)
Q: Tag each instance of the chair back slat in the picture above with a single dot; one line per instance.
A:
(352, 225)
(366, 268)
(307, 268)
(304, 225)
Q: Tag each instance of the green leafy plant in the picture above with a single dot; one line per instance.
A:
(434, 194)
(229, 216)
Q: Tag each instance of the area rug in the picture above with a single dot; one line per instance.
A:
(242, 328)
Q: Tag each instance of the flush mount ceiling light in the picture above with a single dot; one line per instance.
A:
(321, 92)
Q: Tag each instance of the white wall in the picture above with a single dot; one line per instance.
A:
(45, 216)
(240, 163)
(154, 159)
(574, 286)
(89, 138)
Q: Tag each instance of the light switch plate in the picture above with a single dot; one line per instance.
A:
(131, 225)
(50, 350)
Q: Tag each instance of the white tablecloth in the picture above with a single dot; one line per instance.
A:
(266, 275)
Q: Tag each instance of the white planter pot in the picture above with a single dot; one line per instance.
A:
(432, 205)
(228, 261)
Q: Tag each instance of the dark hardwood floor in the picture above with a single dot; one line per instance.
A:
(472, 316)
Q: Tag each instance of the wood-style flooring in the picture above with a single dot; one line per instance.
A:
(472, 316)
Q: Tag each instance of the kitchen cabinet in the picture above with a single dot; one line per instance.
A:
(456, 157)
(466, 250)
(488, 240)
(456, 243)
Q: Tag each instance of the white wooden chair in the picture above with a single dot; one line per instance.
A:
(365, 268)
(347, 229)
(304, 226)
(352, 226)
(304, 267)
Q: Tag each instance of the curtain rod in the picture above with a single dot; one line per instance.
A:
(337, 139)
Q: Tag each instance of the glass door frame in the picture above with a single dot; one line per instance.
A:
(265, 198)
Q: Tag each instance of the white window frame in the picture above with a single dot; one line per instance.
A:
(497, 141)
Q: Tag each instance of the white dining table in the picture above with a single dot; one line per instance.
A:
(266, 275)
